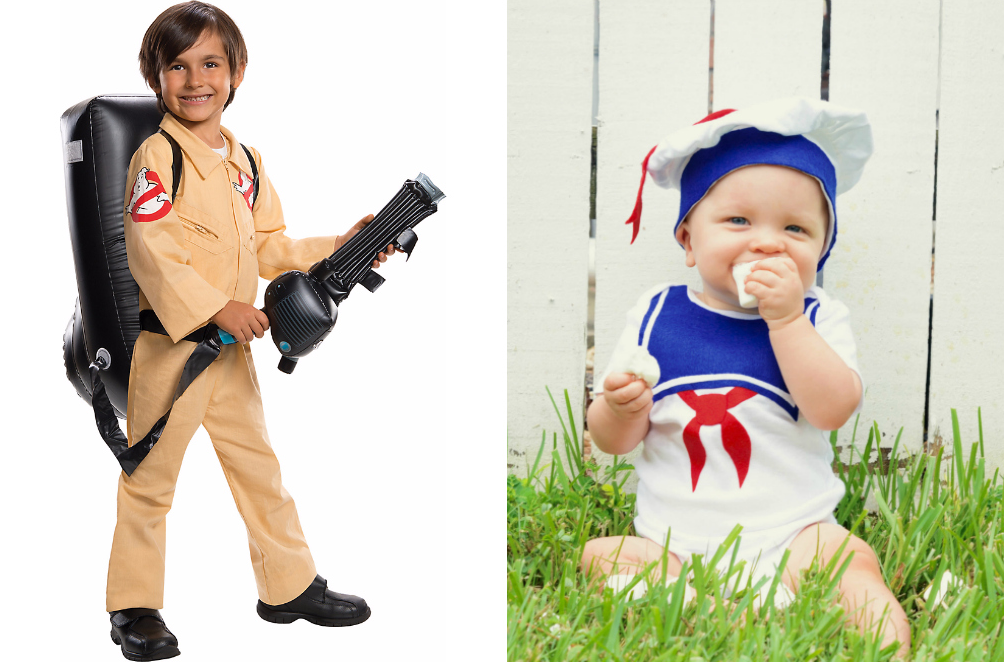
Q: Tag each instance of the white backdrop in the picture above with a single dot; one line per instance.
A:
(383, 433)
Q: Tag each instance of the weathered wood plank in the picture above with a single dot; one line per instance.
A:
(550, 61)
(968, 334)
(653, 78)
(766, 51)
(881, 265)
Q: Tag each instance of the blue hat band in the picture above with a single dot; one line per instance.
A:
(754, 147)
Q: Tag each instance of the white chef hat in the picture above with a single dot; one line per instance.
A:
(827, 142)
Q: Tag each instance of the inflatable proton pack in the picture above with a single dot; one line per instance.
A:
(100, 136)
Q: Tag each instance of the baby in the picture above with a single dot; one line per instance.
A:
(733, 427)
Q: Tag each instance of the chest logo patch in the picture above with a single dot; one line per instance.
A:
(713, 409)
(245, 187)
(149, 200)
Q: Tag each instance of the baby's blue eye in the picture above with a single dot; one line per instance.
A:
(738, 220)
(794, 228)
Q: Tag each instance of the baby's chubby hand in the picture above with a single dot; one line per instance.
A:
(777, 285)
(627, 395)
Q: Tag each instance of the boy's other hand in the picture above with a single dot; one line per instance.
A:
(243, 321)
(354, 230)
(627, 395)
(776, 283)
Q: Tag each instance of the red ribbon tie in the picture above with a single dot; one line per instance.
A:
(635, 219)
(712, 409)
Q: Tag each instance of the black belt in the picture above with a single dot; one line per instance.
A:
(205, 352)
(148, 321)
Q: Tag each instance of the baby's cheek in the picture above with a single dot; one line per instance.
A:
(807, 275)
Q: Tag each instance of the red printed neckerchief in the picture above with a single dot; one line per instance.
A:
(712, 409)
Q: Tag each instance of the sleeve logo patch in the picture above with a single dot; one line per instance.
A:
(244, 186)
(149, 201)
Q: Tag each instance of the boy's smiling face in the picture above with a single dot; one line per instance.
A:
(752, 213)
(196, 85)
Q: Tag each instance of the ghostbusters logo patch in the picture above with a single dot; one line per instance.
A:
(149, 201)
(245, 187)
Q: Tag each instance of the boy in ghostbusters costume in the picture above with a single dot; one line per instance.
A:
(733, 427)
(197, 261)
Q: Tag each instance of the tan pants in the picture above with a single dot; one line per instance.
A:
(225, 400)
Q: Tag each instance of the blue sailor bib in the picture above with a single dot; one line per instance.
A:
(700, 349)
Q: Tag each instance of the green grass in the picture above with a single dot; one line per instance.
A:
(936, 512)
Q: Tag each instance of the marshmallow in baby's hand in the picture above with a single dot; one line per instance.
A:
(739, 273)
(639, 363)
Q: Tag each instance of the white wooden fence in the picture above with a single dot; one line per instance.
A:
(930, 75)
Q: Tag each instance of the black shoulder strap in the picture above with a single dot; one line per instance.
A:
(176, 167)
(129, 457)
(254, 174)
(175, 163)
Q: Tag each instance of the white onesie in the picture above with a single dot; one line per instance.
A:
(726, 443)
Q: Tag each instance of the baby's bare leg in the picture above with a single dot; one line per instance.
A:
(867, 600)
(627, 555)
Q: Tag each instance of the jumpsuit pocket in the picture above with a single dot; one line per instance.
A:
(198, 229)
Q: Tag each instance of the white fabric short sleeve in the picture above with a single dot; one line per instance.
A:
(833, 323)
(629, 336)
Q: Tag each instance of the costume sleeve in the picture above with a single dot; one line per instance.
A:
(158, 256)
(833, 323)
(631, 335)
(276, 251)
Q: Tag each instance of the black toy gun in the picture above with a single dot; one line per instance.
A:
(302, 307)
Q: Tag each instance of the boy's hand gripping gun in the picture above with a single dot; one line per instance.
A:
(302, 307)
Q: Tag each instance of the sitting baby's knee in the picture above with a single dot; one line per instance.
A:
(864, 555)
(605, 555)
(864, 563)
(587, 554)
(594, 548)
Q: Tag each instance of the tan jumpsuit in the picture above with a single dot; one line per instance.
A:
(190, 258)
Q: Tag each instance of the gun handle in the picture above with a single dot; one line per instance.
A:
(372, 280)
(406, 241)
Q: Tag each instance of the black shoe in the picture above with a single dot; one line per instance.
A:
(319, 606)
(143, 634)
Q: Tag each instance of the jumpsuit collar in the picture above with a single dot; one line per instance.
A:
(235, 153)
(202, 156)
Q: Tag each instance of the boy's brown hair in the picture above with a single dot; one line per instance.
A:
(179, 28)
